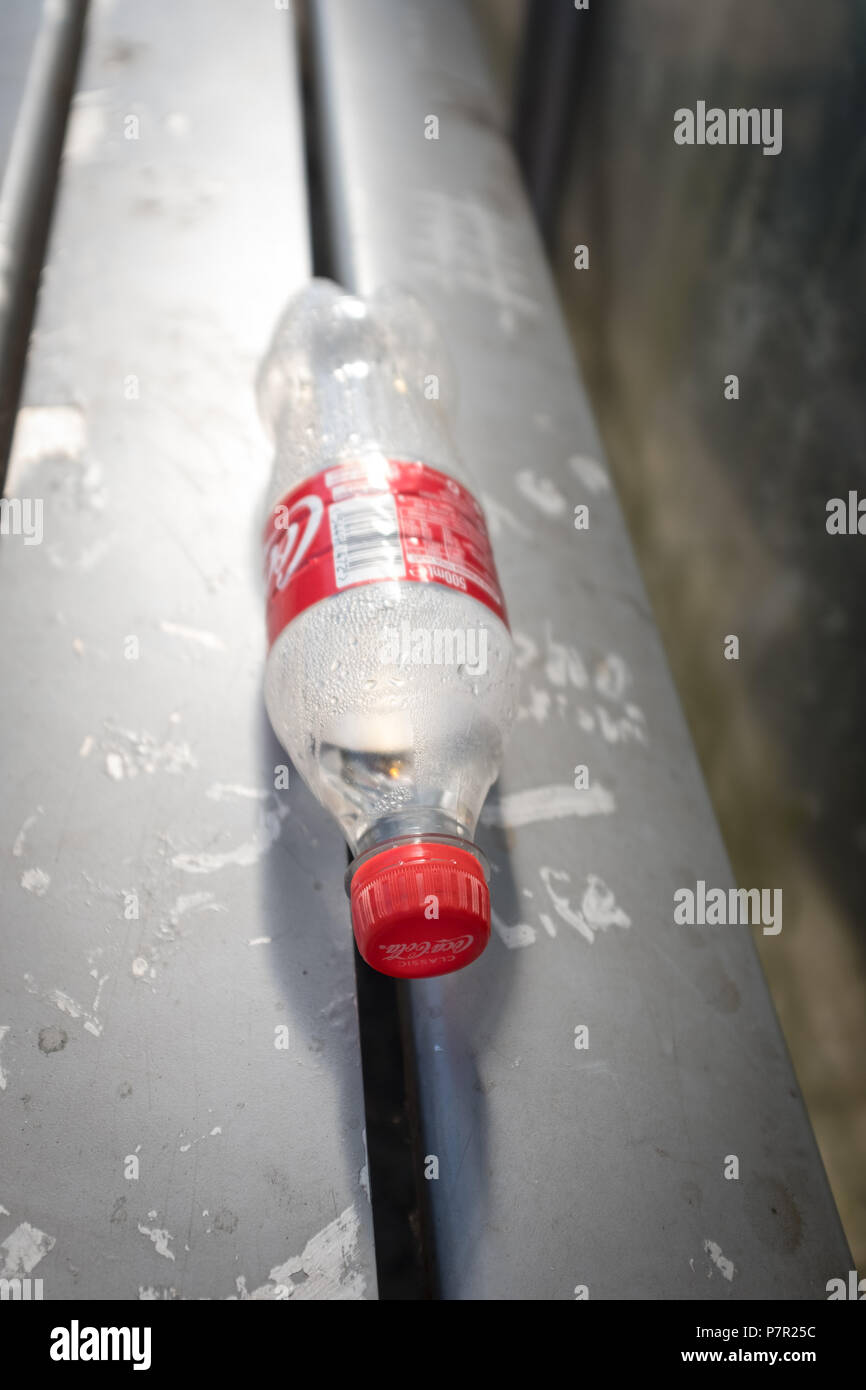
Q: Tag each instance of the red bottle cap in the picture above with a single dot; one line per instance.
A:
(420, 910)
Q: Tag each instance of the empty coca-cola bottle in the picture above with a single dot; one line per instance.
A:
(390, 674)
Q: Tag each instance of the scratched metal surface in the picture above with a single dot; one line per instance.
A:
(562, 1167)
(152, 1036)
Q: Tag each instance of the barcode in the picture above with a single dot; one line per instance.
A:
(366, 538)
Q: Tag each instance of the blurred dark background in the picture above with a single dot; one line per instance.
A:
(708, 261)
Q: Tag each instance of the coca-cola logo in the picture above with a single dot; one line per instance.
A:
(294, 530)
(411, 950)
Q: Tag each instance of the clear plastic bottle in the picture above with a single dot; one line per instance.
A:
(390, 677)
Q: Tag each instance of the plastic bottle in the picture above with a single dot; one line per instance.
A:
(390, 674)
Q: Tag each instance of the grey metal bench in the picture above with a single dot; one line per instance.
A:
(139, 773)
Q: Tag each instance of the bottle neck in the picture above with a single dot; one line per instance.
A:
(415, 825)
(415, 821)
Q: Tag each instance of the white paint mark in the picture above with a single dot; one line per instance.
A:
(67, 1005)
(45, 432)
(541, 492)
(538, 707)
(223, 791)
(160, 1238)
(4, 1211)
(598, 908)
(521, 934)
(185, 1148)
(621, 730)
(564, 665)
(4, 1029)
(612, 677)
(87, 746)
(244, 855)
(24, 1248)
(517, 809)
(21, 837)
(723, 1265)
(590, 472)
(328, 1266)
(547, 923)
(141, 752)
(86, 127)
(364, 1175)
(525, 650)
(193, 902)
(561, 904)
(36, 881)
(177, 124)
(259, 941)
(194, 634)
(140, 967)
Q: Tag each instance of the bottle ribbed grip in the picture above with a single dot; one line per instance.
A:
(408, 888)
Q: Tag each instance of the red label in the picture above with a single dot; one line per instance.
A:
(364, 522)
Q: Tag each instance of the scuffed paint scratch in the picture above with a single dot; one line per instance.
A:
(243, 856)
(598, 908)
(541, 492)
(196, 635)
(69, 1006)
(36, 881)
(21, 837)
(160, 1238)
(327, 1268)
(23, 1250)
(517, 809)
(221, 791)
(514, 937)
(136, 752)
(723, 1265)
